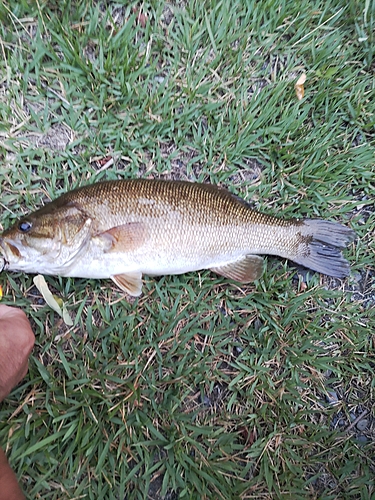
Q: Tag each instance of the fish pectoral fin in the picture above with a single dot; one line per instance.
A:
(249, 268)
(130, 283)
(122, 238)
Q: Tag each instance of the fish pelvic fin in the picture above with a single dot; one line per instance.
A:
(130, 283)
(320, 250)
(245, 270)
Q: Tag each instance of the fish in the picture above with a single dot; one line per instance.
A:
(124, 229)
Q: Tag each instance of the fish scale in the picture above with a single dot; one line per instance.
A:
(199, 207)
(126, 228)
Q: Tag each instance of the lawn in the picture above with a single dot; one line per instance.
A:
(200, 388)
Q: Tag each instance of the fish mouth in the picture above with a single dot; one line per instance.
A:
(6, 251)
(3, 261)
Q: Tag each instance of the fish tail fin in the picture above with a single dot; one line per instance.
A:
(322, 245)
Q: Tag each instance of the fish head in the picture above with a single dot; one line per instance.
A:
(46, 241)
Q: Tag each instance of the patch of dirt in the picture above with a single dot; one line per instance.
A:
(167, 15)
(186, 165)
(56, 138)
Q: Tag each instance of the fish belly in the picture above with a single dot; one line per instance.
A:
(176, 252)
(157, 265)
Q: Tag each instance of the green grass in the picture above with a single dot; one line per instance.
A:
(199, 388)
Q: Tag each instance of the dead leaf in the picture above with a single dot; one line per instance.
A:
(61, 310)
(248, 436)
(103, 161)
(141, 18)
(299, 88)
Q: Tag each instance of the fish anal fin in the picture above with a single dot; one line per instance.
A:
(245, 270)
(123, 238)
(130, 283)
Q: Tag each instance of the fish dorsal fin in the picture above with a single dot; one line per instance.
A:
(249, 268)
(130, 283)
(123, 238)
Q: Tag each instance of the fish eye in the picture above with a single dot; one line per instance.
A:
(25, 226)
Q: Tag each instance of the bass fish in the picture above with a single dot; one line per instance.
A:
(126, 228)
